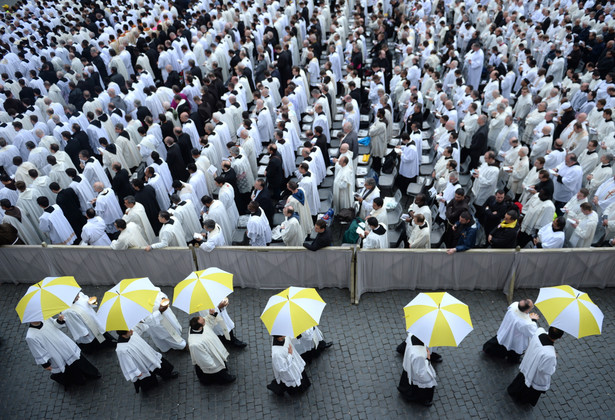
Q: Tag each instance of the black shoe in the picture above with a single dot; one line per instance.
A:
(327, 345)
(231, 379)
(427, 403)
(172, 375)
(275, 390)
(238, 343)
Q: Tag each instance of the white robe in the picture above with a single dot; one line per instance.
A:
(186, 215)
(420, 371)
(49, 344)
(164, 329)
(206, 349)
(343, 187)
(82, 322)
(486, 183)
(137, 358)
(287, 368)
(57, 227)
(217, 212)
(108, 208)
(305, 216)
(170, 235)
(375, 241)
(292, 232)
(93, 233)
(94, 172)
(131, 237)
(138, 216)
(226, 195)
(516, 329)
(258, 229)
(215, 238)
(539, 363)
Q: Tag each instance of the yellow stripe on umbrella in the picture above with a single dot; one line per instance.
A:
(293, 311)
(202, 290)
(47, 298)
(438, 319)
(570, 310)
(127, 303)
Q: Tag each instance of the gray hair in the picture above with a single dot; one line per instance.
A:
(370, 181)
(130, 199)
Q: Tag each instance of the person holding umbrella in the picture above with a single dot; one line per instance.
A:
(207, 352)
(288, 368)
(537, 367)
(418, 378)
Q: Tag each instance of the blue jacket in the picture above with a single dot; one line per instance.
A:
(467, 236)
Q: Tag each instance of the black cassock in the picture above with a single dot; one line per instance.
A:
(147, 197)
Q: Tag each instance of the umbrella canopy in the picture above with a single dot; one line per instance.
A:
(293, 311)
(127, 303)
(570, 310)
(202, 290)
(438, 319)
(47, 298)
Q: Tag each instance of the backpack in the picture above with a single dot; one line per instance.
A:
(346, 215)
(390, 162)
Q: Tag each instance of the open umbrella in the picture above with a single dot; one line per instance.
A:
(47, 298)
(570, 310)
(293, 311)
(438, 319)
(127, 303)
(202, 290)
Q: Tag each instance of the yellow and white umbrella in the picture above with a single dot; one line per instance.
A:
(127, 303)
(47, 298)
(293, 311)
(202, 290)
(570, 310)
(438, 319)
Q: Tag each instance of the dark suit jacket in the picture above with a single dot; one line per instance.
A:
(121, 185)
(147, 197)
(176, 163)
(68, 201)
(264, 201)
(27, 93)
(352, 140)
(479, 141)
(275, 172)
(322, 240)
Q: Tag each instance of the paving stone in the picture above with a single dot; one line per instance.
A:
(356, 378)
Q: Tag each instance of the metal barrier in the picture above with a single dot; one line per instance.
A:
(358, 270)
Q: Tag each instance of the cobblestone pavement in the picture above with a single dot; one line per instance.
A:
(356, 378)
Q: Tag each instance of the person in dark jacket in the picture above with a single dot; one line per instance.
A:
(454, 208)
(274, 172)
(478, 147)
(146, 195)
(495, 208)
(121, 183)
(68, 201)
(466, 229)
(323, 237)
(505, 234)
(260, 194)
(175, 160)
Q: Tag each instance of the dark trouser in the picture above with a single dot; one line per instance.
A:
(521, 393)
(558, 208)
(76, 373)
(280, 388)
(474, 161)
(219, 378)
(164, 371)
(523, 239)
(310, 355)
(95, 345)
(495, 349)
(449, 237)
(413, 392)
(377, 164)
(402, 183)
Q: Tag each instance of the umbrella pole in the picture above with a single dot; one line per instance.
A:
(511, 285)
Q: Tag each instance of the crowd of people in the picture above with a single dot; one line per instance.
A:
(155, 124)
(58, 344)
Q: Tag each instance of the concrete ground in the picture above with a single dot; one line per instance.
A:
(356, 378)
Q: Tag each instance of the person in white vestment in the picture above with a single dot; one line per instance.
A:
(135, 213)
(211, 237)
(310, 344)
(215, 210)
(551, 235)
(375, 236)
(140, 363)
(171, 233)
(343, 185)
(107, 206)
(365, 197)
(537, 367)
(130, 236)
(420, 237)
(291, 230)
(55, 352)
(298, 200)
(515, 332)
(258, 229)
(584, 227)
(418, 377)
(92, 170)
(93, 232)
(184, 211)
(485, 180)
(288, 368)
(85, 327)
(54, 224)
(207, 351)
(163, 327)
(226, 194)
(224, 327)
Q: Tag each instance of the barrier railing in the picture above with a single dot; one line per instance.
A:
(358, 270)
